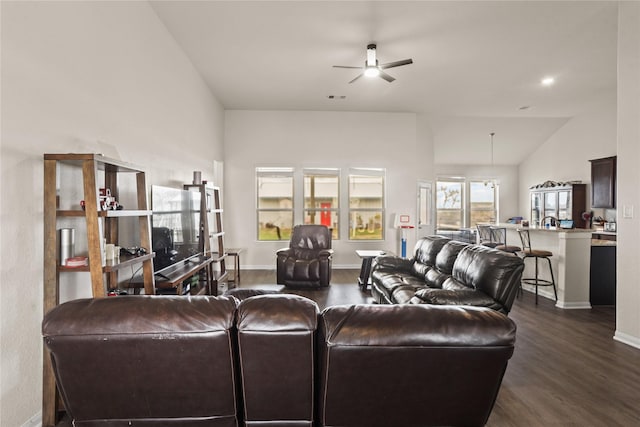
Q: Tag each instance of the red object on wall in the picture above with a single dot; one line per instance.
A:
(325, 214)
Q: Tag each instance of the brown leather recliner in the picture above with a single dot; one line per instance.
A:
(276, 350)
(307, 260)
(150, 360)
(402, 365)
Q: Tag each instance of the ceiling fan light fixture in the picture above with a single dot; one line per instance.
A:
(372, 72)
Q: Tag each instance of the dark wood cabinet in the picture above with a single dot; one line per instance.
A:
(602, 286)
(603, 182)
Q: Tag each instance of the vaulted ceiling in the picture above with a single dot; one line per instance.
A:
(477, 65)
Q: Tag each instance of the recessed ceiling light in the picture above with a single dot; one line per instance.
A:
(548, 81)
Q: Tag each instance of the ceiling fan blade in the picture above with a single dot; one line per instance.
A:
(396, 64)
(386, 76)
(345, 66)
(357, 77)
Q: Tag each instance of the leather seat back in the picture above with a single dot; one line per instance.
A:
(420, 365)
(276, 350)
(426, 250)
(154, 361)
(490, 271)
(446, 257)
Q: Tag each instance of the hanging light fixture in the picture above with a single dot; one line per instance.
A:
(491, 182)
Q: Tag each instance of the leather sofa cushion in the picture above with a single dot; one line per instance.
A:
(403, 294)
(387, 281)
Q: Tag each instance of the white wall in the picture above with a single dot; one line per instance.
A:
(83, 77)
(628, 267)
(316, 139)
(566, 154)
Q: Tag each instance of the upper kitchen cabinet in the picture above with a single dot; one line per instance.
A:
(603, 182)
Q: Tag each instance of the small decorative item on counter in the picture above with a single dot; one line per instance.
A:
(587, 217)
(524, 223)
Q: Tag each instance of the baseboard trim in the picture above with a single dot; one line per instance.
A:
(573, 305)
(627, 339)
(35, 421)
(273, 267)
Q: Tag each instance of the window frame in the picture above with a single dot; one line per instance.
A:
(496, 197)
(366, 172)
(463, 204)
(275, 172)
(334, 210)
(466, 198)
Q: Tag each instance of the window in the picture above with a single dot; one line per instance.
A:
(275, 203)
(461, 203)
(366, 204)
(482, 202)
(322, 198)
(449, 207)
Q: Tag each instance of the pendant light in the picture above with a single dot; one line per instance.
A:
(491, 182)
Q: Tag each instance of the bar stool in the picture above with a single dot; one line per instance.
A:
(500, 237)
(537, 254)
(486, 236)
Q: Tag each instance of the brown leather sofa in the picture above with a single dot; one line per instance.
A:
(448, 272)
(273, 360)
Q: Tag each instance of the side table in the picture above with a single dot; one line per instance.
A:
(365, 270)
(235, 253)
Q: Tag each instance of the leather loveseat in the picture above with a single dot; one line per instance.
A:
(448, 272)
(274, 360)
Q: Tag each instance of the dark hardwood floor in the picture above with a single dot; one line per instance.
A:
(566, 369)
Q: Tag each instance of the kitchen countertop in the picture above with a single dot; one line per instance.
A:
(602, 242)
(537, 228)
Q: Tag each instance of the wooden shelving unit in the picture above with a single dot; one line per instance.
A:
(100, 224)
(212, 232)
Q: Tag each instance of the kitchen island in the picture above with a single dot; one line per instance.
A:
(571, 262)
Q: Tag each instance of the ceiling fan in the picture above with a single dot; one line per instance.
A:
(371, 67)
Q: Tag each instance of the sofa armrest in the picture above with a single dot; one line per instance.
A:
(325, 253)
(284, 251)
(471, 297)
(392, 263)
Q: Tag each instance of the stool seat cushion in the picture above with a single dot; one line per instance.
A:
(537, 253)
(509, 248)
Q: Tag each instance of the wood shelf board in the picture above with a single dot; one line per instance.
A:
(101, 161)
(111, 213)
(125, 213)
(178, 273)
(124, 261)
